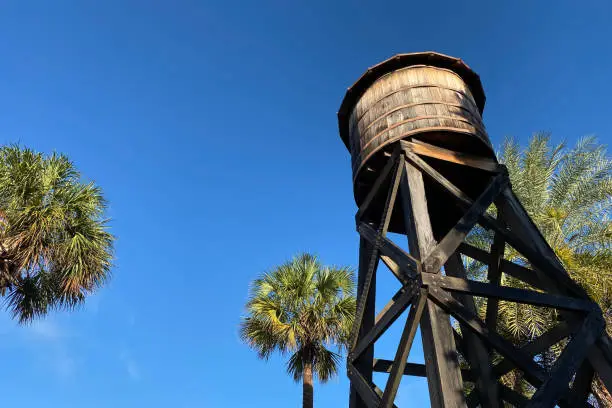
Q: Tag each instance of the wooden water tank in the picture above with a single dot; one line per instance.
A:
(429, 96)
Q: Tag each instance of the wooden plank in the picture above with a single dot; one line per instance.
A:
(475, 253)
(476, 288)
(364, 362)
(537, 346)
(457, 234)
(529, 276)
(519, 272)
(384, 174)
(540, 261)
(412, 91)
(494, 275)
(373, 264)
(396, 297)
(443, 371)
(394, 268)
(534, 247)
(404, 132)
(464, 199)
(528, 232)
(379, 392)
(426, 149)
(556, 385)
(390, 203)
(368, 396)
(369, 393)
(403, 350)
(413, 369)
(474, 349)
(401, 94)
(533, 373)
(367, 278)
(416, 214)
(407, 264)
(382, 323)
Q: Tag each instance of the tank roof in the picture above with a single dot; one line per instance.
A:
(399, 61)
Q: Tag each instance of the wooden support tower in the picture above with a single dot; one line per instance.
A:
(423, 167)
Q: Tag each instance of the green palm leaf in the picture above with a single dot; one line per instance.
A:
(301, 308)
(54, 244)
(568, 193)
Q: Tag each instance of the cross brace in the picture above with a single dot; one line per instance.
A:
(435, 286)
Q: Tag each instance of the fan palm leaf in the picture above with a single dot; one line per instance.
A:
(301, 308)
(54, 245)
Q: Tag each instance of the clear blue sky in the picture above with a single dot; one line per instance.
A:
(211, 127)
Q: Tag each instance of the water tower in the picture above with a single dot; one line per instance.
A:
(423, 167)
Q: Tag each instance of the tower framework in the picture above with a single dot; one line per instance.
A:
(423, 167)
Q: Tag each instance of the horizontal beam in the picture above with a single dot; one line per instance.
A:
(529, 276)
(413, 369)
(533, 373)
(426, 149)
(476, 288)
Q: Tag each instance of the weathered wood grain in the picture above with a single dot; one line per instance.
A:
(412, 100)
(403, 349)
(443, 372)
(475, 350)
(465, 159)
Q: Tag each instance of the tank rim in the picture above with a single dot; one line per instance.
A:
(399, 61)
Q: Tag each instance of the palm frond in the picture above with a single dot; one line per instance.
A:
(52, 222)
(325, 363)
(300, 307)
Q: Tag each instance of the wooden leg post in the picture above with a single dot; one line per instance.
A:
(441, 360)
(475, 350)
(366, 360)
(433, 297)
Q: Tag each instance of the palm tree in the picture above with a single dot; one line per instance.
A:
(301, 308)
(568, 194)
(54, 244)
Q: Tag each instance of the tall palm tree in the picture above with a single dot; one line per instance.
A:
(301, 308)
(568, 194)
(54, 245)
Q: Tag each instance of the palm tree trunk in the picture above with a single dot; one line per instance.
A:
(307, 390)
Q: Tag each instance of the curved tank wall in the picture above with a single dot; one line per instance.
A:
(431, 96)
(427, 96)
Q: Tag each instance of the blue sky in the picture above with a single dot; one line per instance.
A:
(211, 127)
